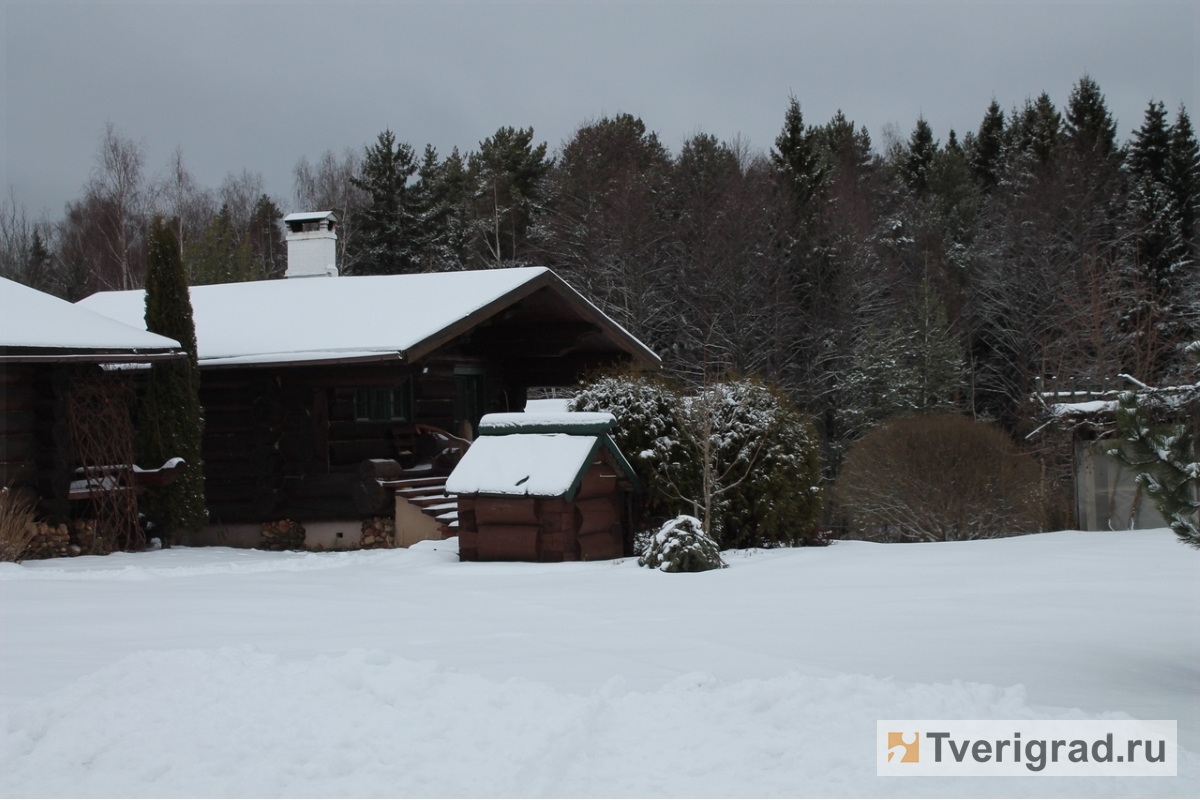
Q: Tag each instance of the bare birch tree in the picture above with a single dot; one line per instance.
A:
(117, 192)
(328, 185)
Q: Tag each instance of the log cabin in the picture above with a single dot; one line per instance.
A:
(49, 349)
(303, 379)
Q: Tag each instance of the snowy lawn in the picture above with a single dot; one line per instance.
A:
(231, 672)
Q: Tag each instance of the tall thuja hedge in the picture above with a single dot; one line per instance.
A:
(736, 453)
(172, 423)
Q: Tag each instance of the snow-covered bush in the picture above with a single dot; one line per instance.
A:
(939, 477)
(767, 464)
(681, 546)
(737, 454)
(647, 429)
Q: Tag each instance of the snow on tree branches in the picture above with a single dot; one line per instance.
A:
(681, 545)
(1162, 451)
(736, 454)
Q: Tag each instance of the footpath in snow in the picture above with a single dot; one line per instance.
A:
(214, 671)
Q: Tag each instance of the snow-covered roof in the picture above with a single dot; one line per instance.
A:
(309, 216)
(575, 422)
(35, 326)
(1085, 408)
(523, 464)
(535, 454)
(354, 318)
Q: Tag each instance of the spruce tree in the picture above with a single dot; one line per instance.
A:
(40, 264)
(1183, 176)
(989, 147)
(921, 151)
(387, 225)
(844, 147)
(1150, 150)
(1036, 130)
(952, 144)
(220, 254)
(1161, 272)
(441, 200)
(265, 237)
(1090, 128)
(797, 157)
(171, 422)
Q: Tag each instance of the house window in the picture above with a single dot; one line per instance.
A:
(389, 404)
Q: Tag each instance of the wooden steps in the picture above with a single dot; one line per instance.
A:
(429, 495)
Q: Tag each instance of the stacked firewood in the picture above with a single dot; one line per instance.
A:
(50, 541)
(378, 532)
(84, 536)
(284, 534)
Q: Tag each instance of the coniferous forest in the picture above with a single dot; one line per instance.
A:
(865, 278)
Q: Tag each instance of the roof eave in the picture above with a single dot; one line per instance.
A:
(44, 355)
(587, 464)
(547, 278)
(372, 358)
(647, 357)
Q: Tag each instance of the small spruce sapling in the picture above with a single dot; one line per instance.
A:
(681, 545)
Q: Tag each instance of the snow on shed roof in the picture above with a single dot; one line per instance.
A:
(1084, 408)
(353, 318)
(524, 464)
(35, 326)
(575, 422)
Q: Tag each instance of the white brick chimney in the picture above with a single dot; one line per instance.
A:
(312, 244)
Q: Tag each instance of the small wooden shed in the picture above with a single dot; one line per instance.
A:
(544, 487)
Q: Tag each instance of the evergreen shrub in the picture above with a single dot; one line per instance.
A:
(780, 500)
(762, 452)
(171, 422)
(647, 431)
(939, 477)
(681, 546)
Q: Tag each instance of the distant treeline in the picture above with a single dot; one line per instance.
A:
(866, 279)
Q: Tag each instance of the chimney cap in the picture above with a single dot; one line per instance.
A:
(309, 216)
(311, 222)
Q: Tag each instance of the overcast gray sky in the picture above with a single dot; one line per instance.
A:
(258, 85)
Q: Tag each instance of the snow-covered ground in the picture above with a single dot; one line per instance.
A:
(230, 672)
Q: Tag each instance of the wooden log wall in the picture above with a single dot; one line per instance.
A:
(238, 448)
(590, 528)
(598, 504)
(35, 441)
(284, 442)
